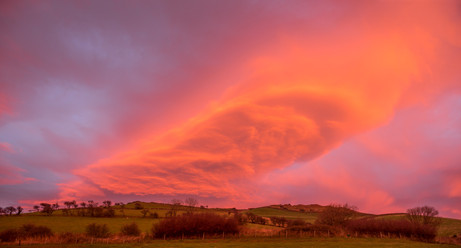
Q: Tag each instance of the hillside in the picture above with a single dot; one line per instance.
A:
(145, 214)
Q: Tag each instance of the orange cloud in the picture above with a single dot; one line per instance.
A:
(299, 99)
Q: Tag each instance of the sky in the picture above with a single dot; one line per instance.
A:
(235, 103)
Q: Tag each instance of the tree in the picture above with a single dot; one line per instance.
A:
(191, 203)
(91, 207)
(425, 215)
(47, 208)
(336, 215)
(175, 205)
(10, 210)
(144, 212)
(37, 208)
(19, 210)
(55, 206)
(107, 203)
(122, 208)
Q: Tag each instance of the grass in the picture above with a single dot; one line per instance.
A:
(60, 224)
(260, 242)
(450, 227)
(268, 212)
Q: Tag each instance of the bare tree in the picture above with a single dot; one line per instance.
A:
(175, 205)
(336, 215)
(191, 203)
(425, 215)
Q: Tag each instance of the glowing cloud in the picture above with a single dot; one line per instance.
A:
(237, 103)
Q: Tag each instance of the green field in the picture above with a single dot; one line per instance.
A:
(268, 212)
(266, 243)
(61, 224)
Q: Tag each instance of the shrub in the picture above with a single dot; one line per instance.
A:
(97, 231)
(154, 215)
(297, 222)
(25, 231)
(398, 228)
(9, 235)
(31, 230)
(195, 225)
(130, 230)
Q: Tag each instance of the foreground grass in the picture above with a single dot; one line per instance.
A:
(267, 243)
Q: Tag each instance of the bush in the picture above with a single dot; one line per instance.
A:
(154, 215)
(297, 222)
(9, 235)
(195, 225)
(26, 231)
(397, 228)
(31, 230)
(97, 231)
(130, 230)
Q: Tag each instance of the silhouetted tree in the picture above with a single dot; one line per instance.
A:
(425, 215)
(47, 208)
(175, 205)
(55, 206)
(19, 210)
(144, 212)
(36, 208)
(107, 203)
(191, 203)
(10, 210)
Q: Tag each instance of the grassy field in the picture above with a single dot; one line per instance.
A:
(266, 243)
(60, 224)
(268, 212)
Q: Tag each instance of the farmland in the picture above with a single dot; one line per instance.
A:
(251, 234)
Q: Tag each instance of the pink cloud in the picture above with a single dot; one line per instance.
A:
(213, 100)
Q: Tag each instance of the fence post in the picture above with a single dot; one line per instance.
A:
(203, 236)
